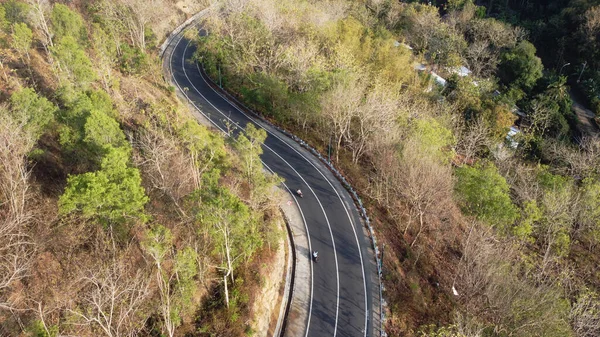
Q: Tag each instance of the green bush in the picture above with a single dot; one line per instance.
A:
(484, 193)
(133, 60)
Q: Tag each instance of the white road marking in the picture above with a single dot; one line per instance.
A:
(299, 207)
(276, 136)
(321, 173)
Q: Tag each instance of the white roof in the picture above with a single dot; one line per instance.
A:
(509, 137)
(438, 79)
(461, 71)
(420, 67)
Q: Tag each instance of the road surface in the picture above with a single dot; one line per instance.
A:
(341, 287)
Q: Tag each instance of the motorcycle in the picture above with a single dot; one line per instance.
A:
(299, 193)
(315, 256)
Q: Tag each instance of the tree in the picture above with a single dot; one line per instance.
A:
(589, 216)
(31, 111)
(205, 149)
(73, 62)
(425, 184)
(15, 245)
(168, 168)
(585, 314)
(487, 39)
(139, 14)
(520, 67)
(113, 195)
(66, 23)
(102, 131)
(340, 105)
(433, 139)
(559, 207)
(495, 285)
(22, 37)
(232, 228)
(16, 11)
(484, 193)
(175, 272)
(111, 299)
(4, 24)
(376, 115)
(473, 139)
(105, 50)
(249, 144)
(39, 17)
(420, 22)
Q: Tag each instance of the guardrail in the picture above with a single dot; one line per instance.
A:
(357, 200)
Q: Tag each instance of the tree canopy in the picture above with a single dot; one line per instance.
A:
(112, 195)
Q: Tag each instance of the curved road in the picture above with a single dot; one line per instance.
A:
(341, 300)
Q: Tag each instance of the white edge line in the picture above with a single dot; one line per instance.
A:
(321, 173)
(307, 185)
(295, 199)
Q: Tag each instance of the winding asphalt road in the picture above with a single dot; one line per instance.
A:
(341, 296)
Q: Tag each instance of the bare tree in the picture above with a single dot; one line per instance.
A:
(111, 298)
(585, 314)
(473, 139)
(339, 106)
(491, 286)
(139, 15)
(376, 115)
(15, 143)
(39, 12)
(425, 184)
(170, 170)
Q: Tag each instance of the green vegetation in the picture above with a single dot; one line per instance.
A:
(485, 194)
(434, 160)
(110, 195)
(116, 203)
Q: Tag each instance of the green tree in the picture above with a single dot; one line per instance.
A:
(112, 195)
(21, 39)
(520, 67)
(102, 130)
(32, 111)
(232, 227)
(531, 215)
(66, 22)
(557, 202)
(73, 63)
(484, 193)
(175, 273)
(249, 145)
(15, 11)
(590, 210)
(88, 126)
(434, 139)
(4, 24)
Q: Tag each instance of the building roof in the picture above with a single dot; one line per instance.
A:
(461, 71)
(441, 81)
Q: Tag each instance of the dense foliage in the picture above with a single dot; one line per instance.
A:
(121, 215)
(118, 211)
(509, 222)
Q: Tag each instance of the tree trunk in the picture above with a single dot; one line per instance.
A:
(420, 229)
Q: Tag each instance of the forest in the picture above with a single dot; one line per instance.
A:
(120, 215)
(488, 233)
